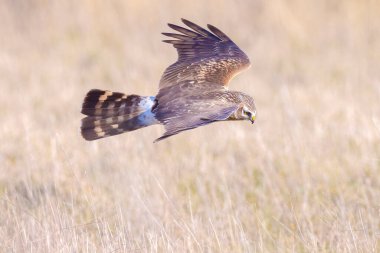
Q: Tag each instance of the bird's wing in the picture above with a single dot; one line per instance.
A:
(198, 117)
(203, 56)
(187, 105)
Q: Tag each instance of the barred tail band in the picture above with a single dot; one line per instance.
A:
(111, 113)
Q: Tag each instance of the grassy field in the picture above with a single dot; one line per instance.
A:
(304, 178)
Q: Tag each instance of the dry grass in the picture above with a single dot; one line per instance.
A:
(304, 178)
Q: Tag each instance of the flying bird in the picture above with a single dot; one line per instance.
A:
(193, 91)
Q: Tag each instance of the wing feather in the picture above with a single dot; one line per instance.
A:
(177, 124)
(203, 56)
(188, 105)
(177, 36)
(199, 29)
(184, 30)
(218, 32)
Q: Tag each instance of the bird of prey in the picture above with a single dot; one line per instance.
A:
(193, 91)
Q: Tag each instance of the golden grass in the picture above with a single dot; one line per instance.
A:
(304, 178)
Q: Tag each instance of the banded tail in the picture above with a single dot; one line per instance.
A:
(111, 113)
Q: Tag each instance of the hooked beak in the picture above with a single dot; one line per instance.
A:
(253, 119)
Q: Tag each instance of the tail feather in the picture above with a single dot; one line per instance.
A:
(111, 113)
(108, 103)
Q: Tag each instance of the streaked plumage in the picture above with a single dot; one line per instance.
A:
(192, 92)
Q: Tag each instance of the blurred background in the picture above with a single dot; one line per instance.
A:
(303, 178)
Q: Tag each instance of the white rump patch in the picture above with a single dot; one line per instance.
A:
(147, 118)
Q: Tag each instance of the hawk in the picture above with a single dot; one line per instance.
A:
(193, 91)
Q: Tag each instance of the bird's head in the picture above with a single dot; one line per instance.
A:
(248, 114)
(247, 109)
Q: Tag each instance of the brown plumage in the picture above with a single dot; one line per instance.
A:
(203, 56)
(192, 91)
(111, 113)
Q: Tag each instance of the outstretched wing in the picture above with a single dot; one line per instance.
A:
(199, 116)
(203, 56)
(188, 105)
